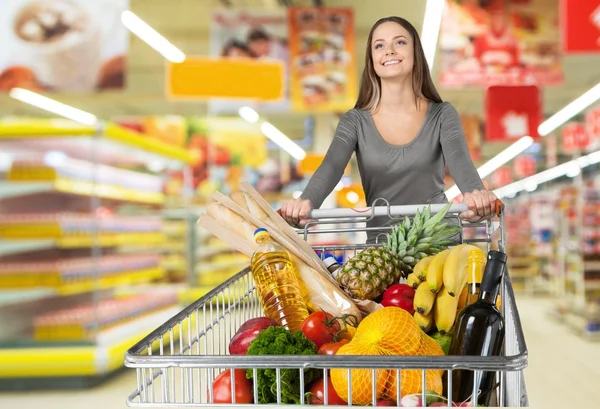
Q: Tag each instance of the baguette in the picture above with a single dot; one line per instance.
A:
(323, 290)
(231, 220)
(231, 238)
(286, 229)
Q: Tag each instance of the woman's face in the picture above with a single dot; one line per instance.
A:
(392, 51)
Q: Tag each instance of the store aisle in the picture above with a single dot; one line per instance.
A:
(562, 371)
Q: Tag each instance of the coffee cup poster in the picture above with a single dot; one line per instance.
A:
(486, 42)
(72, 46)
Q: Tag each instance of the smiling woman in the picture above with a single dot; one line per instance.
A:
(402, 132)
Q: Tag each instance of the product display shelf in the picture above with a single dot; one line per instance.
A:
(578, 305)
(83, 233)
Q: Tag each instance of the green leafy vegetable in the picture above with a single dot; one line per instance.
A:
(280, 341)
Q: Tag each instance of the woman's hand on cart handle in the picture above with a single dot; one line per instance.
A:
(482, 205)
(296, 212)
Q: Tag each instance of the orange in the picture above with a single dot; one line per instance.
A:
(389, 331)
(411, 381)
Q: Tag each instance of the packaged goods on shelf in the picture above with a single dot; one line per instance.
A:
(83, 322)
(81, 223)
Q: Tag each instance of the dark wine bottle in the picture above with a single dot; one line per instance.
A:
(479, 331)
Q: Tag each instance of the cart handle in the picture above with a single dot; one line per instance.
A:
(406, 210)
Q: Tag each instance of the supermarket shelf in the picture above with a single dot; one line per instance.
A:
(105, 357)
(113, 281)
(14, 247)
(80, 241)
(9, 297)
(32, 129)
(80, 188)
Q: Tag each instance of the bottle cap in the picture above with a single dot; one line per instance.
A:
(260, 232)
(329, 261)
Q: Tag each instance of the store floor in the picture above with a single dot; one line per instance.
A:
(563, 372)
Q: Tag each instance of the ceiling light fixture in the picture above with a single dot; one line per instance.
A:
(496, 162)
(141, 29)
(50, 105)
(434, 10)
(248, 114)
(571, 169)
(569, 111)
(282, 140)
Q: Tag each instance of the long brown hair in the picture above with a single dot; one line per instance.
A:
(369, 94)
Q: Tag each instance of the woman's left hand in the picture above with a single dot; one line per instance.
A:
(481, 204)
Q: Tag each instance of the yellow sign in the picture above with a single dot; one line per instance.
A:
(203, 78)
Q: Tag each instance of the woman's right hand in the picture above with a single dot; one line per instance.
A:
(295, 212)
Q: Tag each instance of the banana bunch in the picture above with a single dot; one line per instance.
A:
(441, 287)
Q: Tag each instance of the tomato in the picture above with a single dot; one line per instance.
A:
(331, 348)
(222, 387)
(320, 328)
(317, 396)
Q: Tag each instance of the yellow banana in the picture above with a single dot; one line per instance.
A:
(413, 280)
(455, 269)
(421, 267)
(424, 321)
(444, 311)
(435, 271)
(424, 299)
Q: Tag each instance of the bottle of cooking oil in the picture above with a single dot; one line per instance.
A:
(276, 282)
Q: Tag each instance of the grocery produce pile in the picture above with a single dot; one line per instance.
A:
(400, 299)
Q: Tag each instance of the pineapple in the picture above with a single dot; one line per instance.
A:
(368, 274)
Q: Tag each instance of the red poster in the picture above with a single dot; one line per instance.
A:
(512, 112)
(502, 177)
(574, 137)
(592, 125)
(525, 166)
(581, 26)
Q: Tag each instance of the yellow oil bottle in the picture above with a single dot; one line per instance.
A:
(277, 283)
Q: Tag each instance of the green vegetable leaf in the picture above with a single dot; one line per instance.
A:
(280, 341)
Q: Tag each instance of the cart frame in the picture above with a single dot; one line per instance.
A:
(171, 373)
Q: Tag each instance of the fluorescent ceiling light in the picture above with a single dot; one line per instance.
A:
(141, 29)
(496, 162)
(569, 111)
(432, 21)
(248, 114)
(283, 141)
(53, 106)
(571, 169)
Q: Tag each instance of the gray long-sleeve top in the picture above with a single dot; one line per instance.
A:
(403, 174)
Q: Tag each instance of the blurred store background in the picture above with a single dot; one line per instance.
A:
(120, 118)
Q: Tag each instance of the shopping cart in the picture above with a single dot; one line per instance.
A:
(178, 361)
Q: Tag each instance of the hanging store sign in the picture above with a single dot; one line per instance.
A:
(525, 165)
(512, 112)
(322, 59)
(592, 126)
(574, 137)
(74, 46)
(204, 78)
(580, 26)
(500, 42)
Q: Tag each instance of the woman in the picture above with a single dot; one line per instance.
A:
(402, 133)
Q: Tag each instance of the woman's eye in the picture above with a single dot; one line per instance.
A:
(401, 42)
(378, 46)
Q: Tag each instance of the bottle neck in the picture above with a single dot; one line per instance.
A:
(488, 297)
